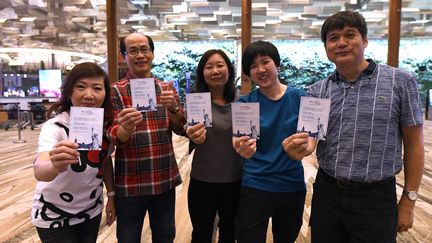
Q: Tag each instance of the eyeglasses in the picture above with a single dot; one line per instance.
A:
(135, 52)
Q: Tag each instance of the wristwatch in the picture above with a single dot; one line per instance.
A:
(411, 195)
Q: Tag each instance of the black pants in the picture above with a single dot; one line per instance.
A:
(85, 232)
(256, 207)
(343, 215)
(204, 201)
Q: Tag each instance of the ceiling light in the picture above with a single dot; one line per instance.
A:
(70, 9)
(222, 12)
(180, 8)
(258, 24)
(410, 10)
(139, 2)
(51, 51)
(302, 1)
(259, 5)
(139, 27)
(226, 24)
(27, 19)
(79, 19)
(273, 21)
(208, 19)
(274, 12)
(199, 4)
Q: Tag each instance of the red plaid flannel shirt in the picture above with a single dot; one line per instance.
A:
(145, 165)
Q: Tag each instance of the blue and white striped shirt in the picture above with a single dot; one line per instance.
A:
(364, 140)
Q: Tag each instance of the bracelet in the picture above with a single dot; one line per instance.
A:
(111, 194)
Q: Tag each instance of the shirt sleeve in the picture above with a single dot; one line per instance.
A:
(50, 135)
(411, 110)
(314, 89)
(117, 107)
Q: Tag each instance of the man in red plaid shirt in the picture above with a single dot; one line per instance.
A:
(146, 171)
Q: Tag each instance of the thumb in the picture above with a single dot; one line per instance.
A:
(169, 86)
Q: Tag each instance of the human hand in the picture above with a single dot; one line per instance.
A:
(110, 211)
(299, 145)
(129, 118)
(63, 154)
(168, 98)
(405, 214)
(197, 133)
(244, 146)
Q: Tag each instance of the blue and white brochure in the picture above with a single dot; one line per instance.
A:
(198, 109)
(245, 120)
(313, 117)
(86, 127)
(143, 94)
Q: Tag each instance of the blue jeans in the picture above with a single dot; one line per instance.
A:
(132, 210)
(85, 232)
(347, 215)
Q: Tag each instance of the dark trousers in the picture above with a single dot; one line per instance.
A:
(85, 232)
(256, 207)
(204, 201)
(341, 214)
(132, 210)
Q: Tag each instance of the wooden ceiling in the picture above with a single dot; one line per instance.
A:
(80, 25)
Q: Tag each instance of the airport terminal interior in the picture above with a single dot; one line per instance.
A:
(41, 40)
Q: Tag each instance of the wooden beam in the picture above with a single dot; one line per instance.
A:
(246, 40)
(112, 42)
(394, 32)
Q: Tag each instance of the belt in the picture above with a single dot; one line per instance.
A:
(351, 185)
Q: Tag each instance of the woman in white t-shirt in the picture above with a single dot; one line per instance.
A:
(68, 199)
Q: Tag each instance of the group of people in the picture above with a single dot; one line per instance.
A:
(244, 181)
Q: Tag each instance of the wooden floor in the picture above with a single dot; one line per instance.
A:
(17, 185)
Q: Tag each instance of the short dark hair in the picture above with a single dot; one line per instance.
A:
(123, 45)
(200, 85)
(340, 20)
(259, 48)
(80, 71)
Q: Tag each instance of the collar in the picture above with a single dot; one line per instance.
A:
(129, 75)
(368, 71)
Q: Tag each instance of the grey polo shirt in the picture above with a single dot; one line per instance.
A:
(364, 140)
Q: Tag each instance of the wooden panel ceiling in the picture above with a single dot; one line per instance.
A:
(80, 25)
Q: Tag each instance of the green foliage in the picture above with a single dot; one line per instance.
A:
(422, 71)
(174, 65)
(302, 62)
(309, 71)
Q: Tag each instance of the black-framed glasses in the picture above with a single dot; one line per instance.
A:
(135, 52)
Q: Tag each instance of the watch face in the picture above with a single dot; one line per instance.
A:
(412, 195)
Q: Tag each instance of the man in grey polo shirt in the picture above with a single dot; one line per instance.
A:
(374, 108)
